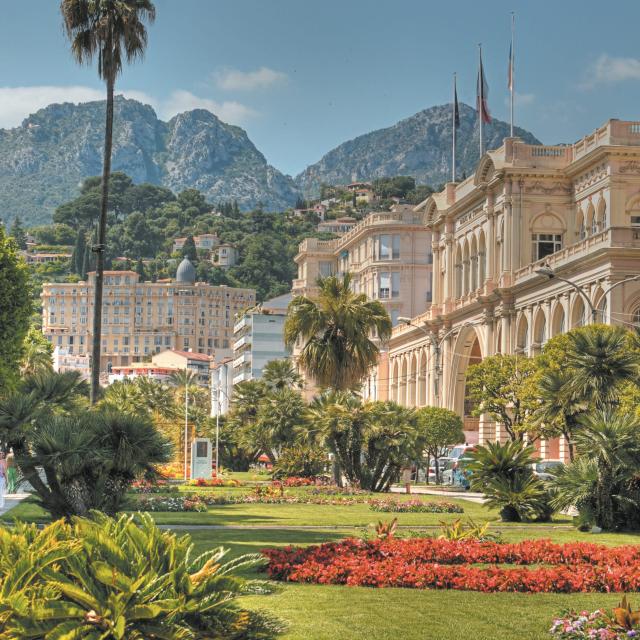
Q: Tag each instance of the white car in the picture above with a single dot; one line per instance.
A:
(544, 469)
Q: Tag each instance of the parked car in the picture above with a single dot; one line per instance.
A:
(544, 469)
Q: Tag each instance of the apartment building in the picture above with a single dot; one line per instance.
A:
(389, 256)
(528, 212)
(140, 319)
(388, 253)
(204, 242)
(259, 338)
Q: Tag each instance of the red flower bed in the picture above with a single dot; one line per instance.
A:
(426, 563)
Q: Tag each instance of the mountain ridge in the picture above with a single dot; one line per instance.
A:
(43, 160)
(419, 146)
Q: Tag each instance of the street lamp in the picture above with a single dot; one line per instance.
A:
(218, 392)
(186, 415)
(551, 274)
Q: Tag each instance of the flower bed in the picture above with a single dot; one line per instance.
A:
(178, 504)
(442, 564)
(144, 486)
(389, 505)
(214, 482)
(585, 626)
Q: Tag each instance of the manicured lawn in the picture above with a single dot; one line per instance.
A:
(319, 612)
(328, 612)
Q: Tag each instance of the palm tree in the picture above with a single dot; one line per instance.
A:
(559, 408)
(610, 442)
(281, 374)
(601, 360)
(112, 31)
(336, 328)
(36, 353)
(336, 420)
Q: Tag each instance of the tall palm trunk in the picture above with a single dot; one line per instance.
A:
(101, 246)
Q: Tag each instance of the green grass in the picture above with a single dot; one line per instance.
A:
(319, 612)
(322, 612)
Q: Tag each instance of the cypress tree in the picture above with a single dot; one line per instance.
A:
(189, 249)
(77, 259)
(86, 262)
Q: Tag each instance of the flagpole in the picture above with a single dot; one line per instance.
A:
(511, 63)
(453, 128)
(480, 98)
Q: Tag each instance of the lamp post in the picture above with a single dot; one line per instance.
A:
(219, 391)
(437, 345)
(186, 415)
(551, 274)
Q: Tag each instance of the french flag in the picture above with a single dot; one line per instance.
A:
(482, 95)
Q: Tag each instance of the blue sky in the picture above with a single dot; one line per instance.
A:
(302, 76)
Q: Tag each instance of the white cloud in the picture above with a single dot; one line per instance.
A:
(228, 111)
(235, 80)
(611, 70)
(16, 103)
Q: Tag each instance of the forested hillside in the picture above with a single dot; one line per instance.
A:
(145, 219)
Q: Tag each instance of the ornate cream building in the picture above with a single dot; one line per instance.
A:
(573, 209)
(140, 319)
(389, 255)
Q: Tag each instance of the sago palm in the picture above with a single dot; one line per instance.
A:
(336, 329)
(114, 32)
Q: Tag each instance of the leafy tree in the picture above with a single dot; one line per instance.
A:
(18, 233)
(110, 31)
(338, 351)
(437, 428)
(189, 250)
(396, 187)
(60, 234)
(505, 387)
(86, 263)
(15, 309)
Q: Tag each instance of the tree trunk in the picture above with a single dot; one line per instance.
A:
(100, 247)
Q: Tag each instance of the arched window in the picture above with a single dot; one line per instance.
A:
(602, 214)
(636, 317)
(482, 260)
(458, 273)
(523, 336)
(546, 236)
(580, 226)
(474, 265)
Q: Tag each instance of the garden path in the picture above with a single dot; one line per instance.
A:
(462, 495)
(11, 500)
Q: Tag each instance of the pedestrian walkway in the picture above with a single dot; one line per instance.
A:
(423, 490)
(12, 500)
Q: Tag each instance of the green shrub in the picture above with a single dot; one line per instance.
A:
(117, 578)
(301, 461)
(504, 473)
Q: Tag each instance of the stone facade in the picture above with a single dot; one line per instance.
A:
(389, 255)
(574, 209)
(143, 318)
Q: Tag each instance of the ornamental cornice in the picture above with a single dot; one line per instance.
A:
(547, 189)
